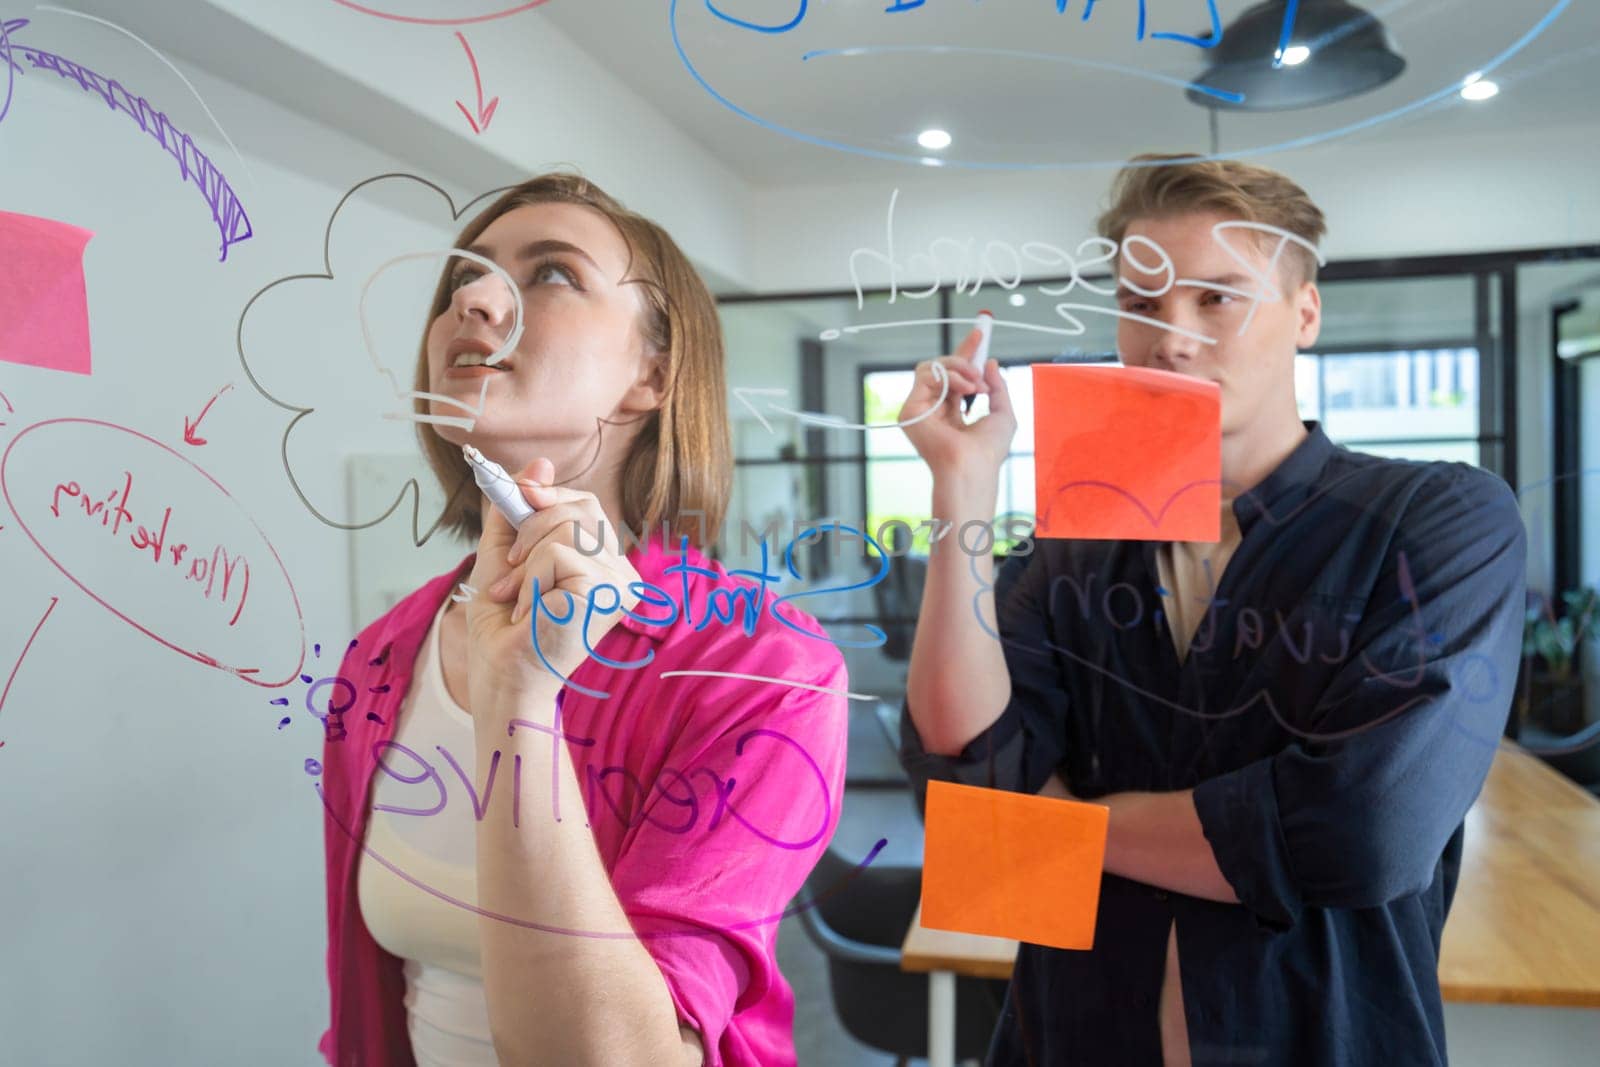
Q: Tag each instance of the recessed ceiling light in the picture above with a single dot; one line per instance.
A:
(1479, 88)
(1017, 300)
(933, 140)
(1294, 55)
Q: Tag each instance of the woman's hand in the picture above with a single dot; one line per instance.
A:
(502, 661)
(950, 445)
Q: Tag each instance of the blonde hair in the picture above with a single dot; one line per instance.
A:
(1161, 186)
(682, 458)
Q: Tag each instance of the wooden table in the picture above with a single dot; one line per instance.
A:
(1525, 924)
(1524, 927)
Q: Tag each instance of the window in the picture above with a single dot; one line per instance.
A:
(1416, 404)
(899, 486)
(1407, 404)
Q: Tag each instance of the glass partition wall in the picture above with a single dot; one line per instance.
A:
(1417, 359)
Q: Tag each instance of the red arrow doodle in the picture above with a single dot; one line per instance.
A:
(9, 411)
(7, 690)
(480, 123)
(190, 427)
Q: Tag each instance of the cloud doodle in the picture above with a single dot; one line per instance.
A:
(361, 375)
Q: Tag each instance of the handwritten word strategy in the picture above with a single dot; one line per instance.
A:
(194, 165)
(898, 7)
(1002, 264)
(1122, 606)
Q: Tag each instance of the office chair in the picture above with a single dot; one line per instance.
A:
(898, 598)
(858, 920)
(1577, 755)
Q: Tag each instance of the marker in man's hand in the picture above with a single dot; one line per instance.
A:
(985, 323)
(501, 489)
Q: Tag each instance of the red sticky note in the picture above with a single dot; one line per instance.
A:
(1125, 453)
(44, 304)
(1012, 865)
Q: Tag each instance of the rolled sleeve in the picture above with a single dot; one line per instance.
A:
(706, 902)
(1358, 810)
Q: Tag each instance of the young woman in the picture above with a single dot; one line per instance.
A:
(557, 831)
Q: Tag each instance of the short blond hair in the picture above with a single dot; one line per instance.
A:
(1155, 186)
(681, 461)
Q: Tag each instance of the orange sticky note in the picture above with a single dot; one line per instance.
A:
(1125, 453)
(44, 307)
(1012, 865)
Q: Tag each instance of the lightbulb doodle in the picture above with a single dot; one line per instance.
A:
(342, 692)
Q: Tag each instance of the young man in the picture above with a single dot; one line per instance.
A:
(1288, 736)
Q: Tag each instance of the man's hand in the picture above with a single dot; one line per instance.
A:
(950, 445)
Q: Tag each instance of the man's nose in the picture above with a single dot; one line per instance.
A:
(1177, 341)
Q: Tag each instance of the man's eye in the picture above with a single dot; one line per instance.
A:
(1219, 298)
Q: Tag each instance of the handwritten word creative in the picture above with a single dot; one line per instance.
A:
(194, 165)
(633, 799)
(158, 542)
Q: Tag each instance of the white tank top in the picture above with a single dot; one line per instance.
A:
(446, 1013)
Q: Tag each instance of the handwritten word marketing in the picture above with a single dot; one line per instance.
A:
(113, 513)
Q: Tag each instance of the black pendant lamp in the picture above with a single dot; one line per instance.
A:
(1334, 51)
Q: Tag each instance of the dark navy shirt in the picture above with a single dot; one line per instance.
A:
(1336, 716)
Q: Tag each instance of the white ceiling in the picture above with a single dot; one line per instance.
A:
(1006, 110)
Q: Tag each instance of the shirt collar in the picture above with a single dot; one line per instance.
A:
(1280, 492)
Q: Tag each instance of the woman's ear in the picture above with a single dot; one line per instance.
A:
(649, 388)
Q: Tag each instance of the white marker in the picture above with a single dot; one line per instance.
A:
(501, 489)
(985, 323)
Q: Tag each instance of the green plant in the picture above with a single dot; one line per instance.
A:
(1557, 641)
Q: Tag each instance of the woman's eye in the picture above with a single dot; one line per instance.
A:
(1218, 299)
(463, 277)
(547, 272)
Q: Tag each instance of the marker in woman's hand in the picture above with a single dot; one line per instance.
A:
(501, 489)
(985, 323)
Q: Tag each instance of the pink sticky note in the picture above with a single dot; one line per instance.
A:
(44, 304)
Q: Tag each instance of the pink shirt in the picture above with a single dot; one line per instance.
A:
(710, 798)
